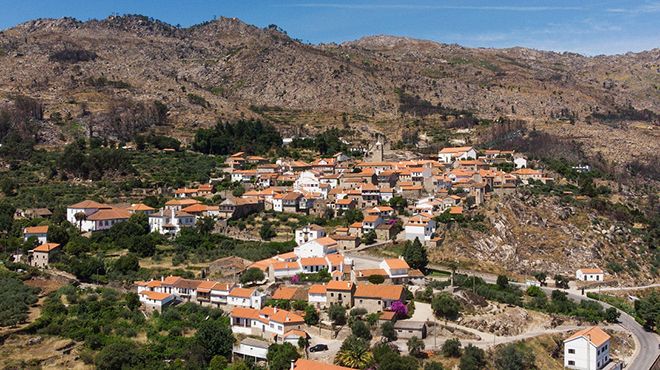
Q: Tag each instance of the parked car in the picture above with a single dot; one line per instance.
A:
(319, 347)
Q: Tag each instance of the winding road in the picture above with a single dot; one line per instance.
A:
(647, 344)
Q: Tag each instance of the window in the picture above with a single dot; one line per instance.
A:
(571, 363)
(571, 350)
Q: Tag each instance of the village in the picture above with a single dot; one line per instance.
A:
(303, 296)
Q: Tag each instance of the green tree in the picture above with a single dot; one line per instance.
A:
(126, 264)
(8, 186)
(354, 353)
(360, 330)
(218, 363)
(205, 225)
(252, 275)
(132, 301)
(353, 215)
(612, 315)
(215, 337)
(369, 238)
(280, 356)
(267, 232)
(540, 276)
(514, 357)
(376, 279)
(473, 358)
(502, 281)
(388, 331)
(337, 313)
(561, 281)
(415, 255)
(446, 306)
(648, 309)
(433, 366)
(451, 348)
(118, 356)
(311, 315)
(303, 344)
(415, 346)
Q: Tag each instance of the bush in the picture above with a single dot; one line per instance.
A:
(451, 348)
(446, 306)
(388, 331)
(252, 275)
(337, 313)
(473, 358)
(360, 330)
(198, 100)
(376, 279)
(514, 357)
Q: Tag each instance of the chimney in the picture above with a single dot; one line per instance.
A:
(293, 365)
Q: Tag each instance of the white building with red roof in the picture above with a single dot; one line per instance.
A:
(587, 349)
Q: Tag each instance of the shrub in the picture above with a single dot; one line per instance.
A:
(360, 330)
(451, 348)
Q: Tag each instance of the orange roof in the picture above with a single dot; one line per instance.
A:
(387, 315)
(285, 266)
(396, 263)
(171, 280)
(345, 201)
(285, 293)
(195, 208)
(109, 214)
(356, 225)
(591, 271)
(456, 210)
(205, 286)
(153, 283)
(317, 289)
(371, 218)
(326, 241)
(370, 272)
(313, 261)
(526, 171)
(241, 292)
(140, 207)
(156, 296)
(392, 292)
(460, 149)
(87, 204)
(245, 313)
(284, 316)
(594, 334)
(339, 285)
(46, 247)
(335, 259)
(36, 230)
(303, 364)
(297, 332)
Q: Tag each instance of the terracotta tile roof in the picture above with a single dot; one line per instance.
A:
(297, 332)
(140, 207)
(527, 171)
(370, 272)
(326, 241)
(591, 271)
(356, 225)
(153, 284)
(241, 292)
(285, 266)
(195, 208)
(392, 292)
(206, 286)
(460, 149)
(456, 210)
(335, 259)
(303, 364)
(285, 293)
(88, 204)
(46, 247)
(109, 214)
(339, 285)
(313, 261)
(396, 263)
(171, 280)
(371, 218)
(36, 230)
(594, 334)
(284, 317)
(387, 315)
(156, 296)
(244, 313)
(317, 289)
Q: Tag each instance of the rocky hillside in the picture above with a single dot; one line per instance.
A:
(528, 234)
(90, 72)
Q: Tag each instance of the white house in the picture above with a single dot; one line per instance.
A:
(155, 301)
(588, 349)
(396, 269)
(421, 227)
(316, 296)
(243, 297)
(265, 322)
(520, 162)
(316, 248)
(307, 182)
(252, 349)
(449, 155)
(590, 274)
(86, 207)
(96, 216)
(38, 232)
(308, 233)
(170, 222)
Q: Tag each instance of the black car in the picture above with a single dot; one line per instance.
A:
(319, 348)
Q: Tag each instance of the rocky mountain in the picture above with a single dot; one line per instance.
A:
(105, 75)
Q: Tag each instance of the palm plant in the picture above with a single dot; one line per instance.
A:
(80, 217)
(354, 353)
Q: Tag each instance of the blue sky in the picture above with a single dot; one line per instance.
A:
(587, 27)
